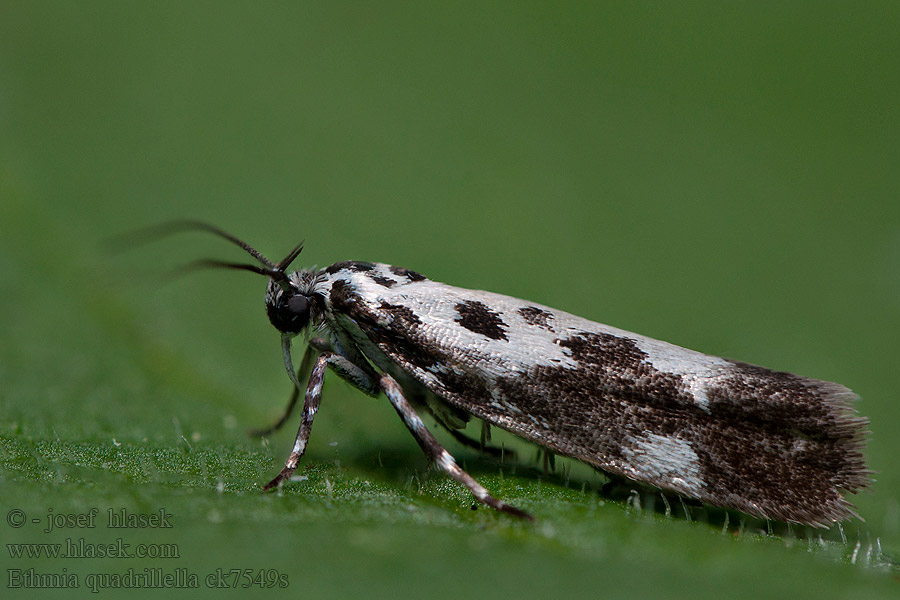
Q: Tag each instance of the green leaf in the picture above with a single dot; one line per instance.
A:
(719, 176)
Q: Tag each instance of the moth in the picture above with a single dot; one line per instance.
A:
(767, 443)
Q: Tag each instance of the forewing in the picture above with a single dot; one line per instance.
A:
(768, 443)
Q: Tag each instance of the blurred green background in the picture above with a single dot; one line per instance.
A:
(723, 176)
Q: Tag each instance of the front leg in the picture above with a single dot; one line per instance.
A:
(436, 453)
(356, 375)
(362, 378)
(310, 406)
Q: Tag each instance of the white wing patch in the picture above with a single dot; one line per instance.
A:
(668, 460)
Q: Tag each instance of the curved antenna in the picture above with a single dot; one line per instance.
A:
(163, 230)
(211, 263)
(156, 232)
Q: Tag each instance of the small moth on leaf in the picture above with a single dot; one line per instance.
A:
(770, 444)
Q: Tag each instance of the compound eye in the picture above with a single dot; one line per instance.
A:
(298, 305)
(290, 315)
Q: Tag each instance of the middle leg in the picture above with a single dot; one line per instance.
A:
(436, 452)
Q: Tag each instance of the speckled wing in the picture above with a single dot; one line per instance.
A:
(768, 443)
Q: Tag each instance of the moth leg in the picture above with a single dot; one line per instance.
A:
(354, 369)
(436, 453)
(302, 370)
(549, 461)
(321, 344)
(353, 374)
(310, 406)
(485, 433)
(470, 443)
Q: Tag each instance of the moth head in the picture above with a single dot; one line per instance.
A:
(288, 299)
(288, 303)
(289, 309)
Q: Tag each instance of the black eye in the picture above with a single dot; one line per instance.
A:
(298, 305)
(291, 315)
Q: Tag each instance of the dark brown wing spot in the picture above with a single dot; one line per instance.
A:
(380, 280)
(343, 298)
(537, 317)
(409, 274)
(401, 313)
(476, 316)
(350, 265)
